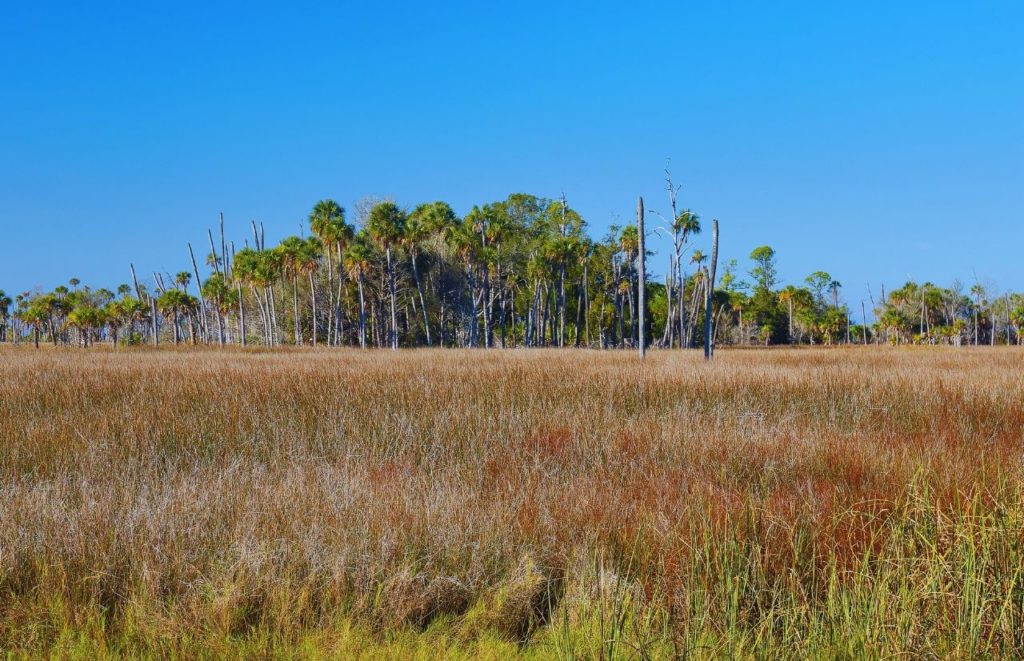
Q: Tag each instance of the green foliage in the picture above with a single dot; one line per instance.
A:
(385, 224)
(764, 272)
(522, 270)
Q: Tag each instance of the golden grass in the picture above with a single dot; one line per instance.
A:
(849, 502)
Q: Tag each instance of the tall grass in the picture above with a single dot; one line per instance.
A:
(793, 503)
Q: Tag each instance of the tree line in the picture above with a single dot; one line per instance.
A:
(520, 272)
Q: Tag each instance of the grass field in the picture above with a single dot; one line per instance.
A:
(826, 503)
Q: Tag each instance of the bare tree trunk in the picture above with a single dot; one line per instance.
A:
(220, 324)
(213, 251)
(154, 321)
(666, 336)
(684, 327)
(586, 303)
(241, 313)
(864, 321)
(394, 310)
(642, 276)
(202, 299)
(138, 290)
(561, 305)
(709, 344)
(224, 249)
(1006, 300)
(579, 312)
(264, 316)
(423, 304)
(296, 331)
(331, 318)
(272, 315)
(339, 322)
(312, 292)
(362, 314)
(472, 303)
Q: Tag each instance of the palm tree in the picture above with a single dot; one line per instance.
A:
(86, 318)
(979, 293)
(686, 223)
(358, 258)
(786, 297)
(37, 316)
(260, 269)
(629, 242)
(217, 290)
(425, 221)
(5, 314)
(248, 269)
(463, 240)
(290, 253)
(115, 316)
(327, 221)
(173, 303)
(385, 226)
(309, 264)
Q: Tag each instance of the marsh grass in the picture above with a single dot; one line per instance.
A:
(786, 503)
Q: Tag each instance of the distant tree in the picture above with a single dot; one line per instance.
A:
(327, 221)
(5, 314)
(819, 281)
(385, 225)
(425, 222)
(174, 303)
(358, 260)
(764, 272)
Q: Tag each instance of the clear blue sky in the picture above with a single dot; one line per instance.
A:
(876, 140)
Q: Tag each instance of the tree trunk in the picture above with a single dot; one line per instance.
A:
(272, 308)
(202, 299)
(709, 343)
(561, 305)
(331, 318)
(339, 328)
(586, 304)
(423, 304)
(394, 309)
(296, 330)
(667, 338)
(579, 312)
(241, 313)
(864, 321)
(312, 292)
(641, 295)
(154, 321)
(472, 305)
(362, 313)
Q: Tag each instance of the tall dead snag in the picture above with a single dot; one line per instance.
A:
(709, 342)
(202, 300)
(642, 273)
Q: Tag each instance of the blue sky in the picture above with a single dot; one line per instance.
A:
(876, 140)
